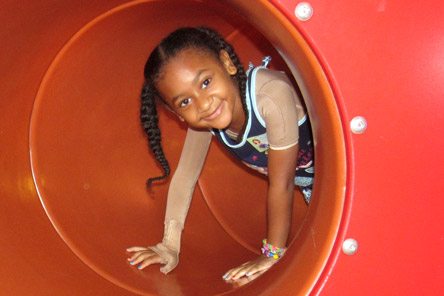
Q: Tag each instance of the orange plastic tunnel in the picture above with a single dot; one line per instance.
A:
(74, 159)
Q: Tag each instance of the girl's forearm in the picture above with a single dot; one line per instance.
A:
(280, 205)
(281, 170)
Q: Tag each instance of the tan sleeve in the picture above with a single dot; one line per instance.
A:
(180, 193)
(280, 107)
(182, 185)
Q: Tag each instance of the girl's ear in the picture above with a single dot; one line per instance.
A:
(227, 62)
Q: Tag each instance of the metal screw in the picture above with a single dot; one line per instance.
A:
(303, 11)
(358, 125)
(350, 246)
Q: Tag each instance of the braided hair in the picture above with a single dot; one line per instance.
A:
(200, 38)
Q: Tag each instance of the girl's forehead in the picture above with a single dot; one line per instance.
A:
(196, 51)
(189, 60)
(193, 55)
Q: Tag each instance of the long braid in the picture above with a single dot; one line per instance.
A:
(150, 120)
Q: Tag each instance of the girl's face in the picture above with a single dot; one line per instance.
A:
(198, 87)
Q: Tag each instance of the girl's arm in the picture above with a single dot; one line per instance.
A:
(179, 198)
(281, 171)
(280, 107)
(188, 171)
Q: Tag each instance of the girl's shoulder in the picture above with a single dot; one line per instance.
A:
(269, 74)
(268, 80)
(273, 84)
(276, 93)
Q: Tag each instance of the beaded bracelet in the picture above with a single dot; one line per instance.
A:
(272, 251)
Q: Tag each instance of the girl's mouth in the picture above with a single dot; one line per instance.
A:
(215, 113)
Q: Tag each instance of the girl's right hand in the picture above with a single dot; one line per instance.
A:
(152, 255)
(144, 256)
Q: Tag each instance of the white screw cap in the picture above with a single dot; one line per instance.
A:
(358, 125)
(350, 246)
(303, 11)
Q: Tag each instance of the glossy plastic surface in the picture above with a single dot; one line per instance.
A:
(74, 159)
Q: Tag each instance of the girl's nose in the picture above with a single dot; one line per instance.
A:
(204, 102)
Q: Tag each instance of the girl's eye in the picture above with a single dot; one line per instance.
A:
(185, 102)
(206, 82)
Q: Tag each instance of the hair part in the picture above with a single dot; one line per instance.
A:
(200, 38)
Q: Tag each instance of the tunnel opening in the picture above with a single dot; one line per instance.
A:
(90, 158)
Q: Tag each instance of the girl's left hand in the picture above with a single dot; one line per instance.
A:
(256, 266)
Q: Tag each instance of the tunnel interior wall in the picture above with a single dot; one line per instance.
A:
(73, 166)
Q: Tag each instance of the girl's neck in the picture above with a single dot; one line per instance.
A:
(239, 118)
(237, 127)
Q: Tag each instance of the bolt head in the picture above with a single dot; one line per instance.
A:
(358, 125)
(303, 11)
(350, 246)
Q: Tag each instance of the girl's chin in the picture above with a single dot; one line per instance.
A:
(219, 123)
(210, 126)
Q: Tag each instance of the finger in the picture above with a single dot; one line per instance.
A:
(143, 251)
(252, 277)
(260, 268)
(240, 273)
(139, 257)
(254, 270)
(135, 249)
(150, 260)
(136, 255)
(240, 282)
(235, 273)
(229, 274)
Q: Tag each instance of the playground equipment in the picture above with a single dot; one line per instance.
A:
(74, 158)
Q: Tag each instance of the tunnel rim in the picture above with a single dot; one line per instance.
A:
(254, 15)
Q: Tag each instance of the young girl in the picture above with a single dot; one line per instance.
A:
(257, 116)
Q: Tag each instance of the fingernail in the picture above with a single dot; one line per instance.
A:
(140, 266)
